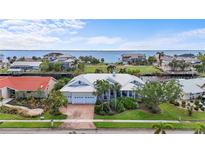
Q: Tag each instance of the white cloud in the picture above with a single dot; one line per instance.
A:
(35, 34)
(192, 39)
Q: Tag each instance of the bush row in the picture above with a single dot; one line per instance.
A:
(112, 107)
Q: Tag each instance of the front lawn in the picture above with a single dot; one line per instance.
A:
(168, 112)
(142, 125)
(29, 125)
(46, 116)
(148, 69)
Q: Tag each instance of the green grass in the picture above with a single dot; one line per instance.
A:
(29, 125)
(168, 112)
(11, 117)
(19, 117)
(48, 116)
(143, 69)
(142, 125)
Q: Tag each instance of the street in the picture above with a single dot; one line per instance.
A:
(97, 131)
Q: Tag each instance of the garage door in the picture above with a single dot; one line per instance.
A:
(83, 100)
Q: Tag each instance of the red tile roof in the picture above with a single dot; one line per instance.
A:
(25, 83)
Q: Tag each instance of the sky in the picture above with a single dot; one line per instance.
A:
(101, 34)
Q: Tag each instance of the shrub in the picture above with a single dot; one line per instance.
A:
(120, 107)
(196, 102)
(98, 109)
(196, 108)
(103, 109)
(129, 103)
(106, 107)
(200, 105)
(155, 109)
(202, 108)
(176, 103)
(98, 102)
(183, 104)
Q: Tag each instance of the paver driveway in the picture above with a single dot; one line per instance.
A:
(78, 112)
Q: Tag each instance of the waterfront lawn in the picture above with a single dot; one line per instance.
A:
(29, 125)
(142, 125)
(168, 112)
(148, 69)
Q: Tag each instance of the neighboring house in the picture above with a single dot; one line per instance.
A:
(25, 66)
(192, 88)
(80, 90)
(52, 56)
(66, 59)
(25, 86)
(133, 58)
(165, 60)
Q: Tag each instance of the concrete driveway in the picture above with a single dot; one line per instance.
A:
(78, 112)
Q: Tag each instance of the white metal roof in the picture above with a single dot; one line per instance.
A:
(123, 79)
(25, 63)
(78, 89)
(192, 85)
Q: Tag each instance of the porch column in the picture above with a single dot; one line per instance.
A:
(120, 93)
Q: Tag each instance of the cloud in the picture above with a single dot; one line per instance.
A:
(36, 34)
(192, 39)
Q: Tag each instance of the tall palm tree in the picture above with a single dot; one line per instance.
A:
(160, 55)
(200, 129)
(160, 128)
(101, 86)
(183, 65)
(116, 88)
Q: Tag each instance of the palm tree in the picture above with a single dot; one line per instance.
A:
(111, 68)
(160, 55)
(160, 128)
(116, 88)
(183, 65)
(101, 87)
(200, 129)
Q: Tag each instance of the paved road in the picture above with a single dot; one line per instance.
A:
(98, 131)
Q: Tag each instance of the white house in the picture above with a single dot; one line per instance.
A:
(25, 65)
(81, 88)
(192, 88)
